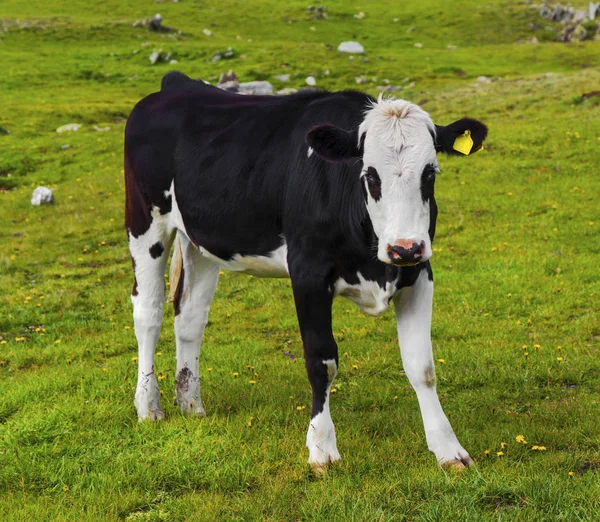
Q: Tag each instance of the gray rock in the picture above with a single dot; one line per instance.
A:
(593, 10)
(65, 147)
(207, 32)
(310, 80)
(287, 91)
(361, 79)
(351, 47)
(483, 79)
(283, 78)
(42, 196)
(69, 127)
(258, 87)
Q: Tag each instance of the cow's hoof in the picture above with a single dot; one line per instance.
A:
(191, 409)
(319, 470)
(151, 415)
(458, 464)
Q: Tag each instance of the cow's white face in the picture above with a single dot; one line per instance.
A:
(399, 168)
(397, 144)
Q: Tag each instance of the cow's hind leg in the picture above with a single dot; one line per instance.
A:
(149, 254)
(195, 280)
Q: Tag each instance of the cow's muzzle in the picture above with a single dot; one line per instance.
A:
(406, 253)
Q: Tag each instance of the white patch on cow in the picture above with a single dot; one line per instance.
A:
(398, 144)
(273, 265)
(413, 306)
(368, 295)
(320, 439)
(310, 152)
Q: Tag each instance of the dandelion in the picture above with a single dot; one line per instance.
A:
(442, 361)
(209, 369)
(559, 359)
(486, 452)
(250, 421)
(159, 353)
(300, 408)
(235, 374)
(3, 341)
(536, 347)
(503, 445)
(519, 322)
(69, 360)
(571, 473)
(499, 453)
(58, 341)
(395, 397)
(134, 358)
(252, 382)
(524, 347)
(104, 370)
(521, 439)
(127, 327)
(333, 390)
(538, 448)
(355, 366)
(161, 377)
(345, 354)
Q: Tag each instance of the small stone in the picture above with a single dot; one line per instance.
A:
(351, 47)
(418, 45)
(42, 196)
(451, 47)
(65, 147)
(207, 32)
(173, 62)
(261, 88)
(359, 16)
(100, 129)
(287, 91)
(283, 78)
(69, 127)
(155, 57)
(483, 79)
(311, 81)
(361, 79)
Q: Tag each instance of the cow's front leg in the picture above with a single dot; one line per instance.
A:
(313, 299)
(413, 318)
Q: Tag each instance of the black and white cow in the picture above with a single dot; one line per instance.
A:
(334, 190)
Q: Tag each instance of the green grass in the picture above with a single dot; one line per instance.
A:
(516, 264)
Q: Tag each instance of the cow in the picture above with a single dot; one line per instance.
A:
(334, 190)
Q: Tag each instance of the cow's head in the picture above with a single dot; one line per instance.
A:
(397, 143)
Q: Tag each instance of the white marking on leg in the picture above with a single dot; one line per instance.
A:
(320, 439)
(413, 318)
(310, 152)
(200, 277)
(148, 310)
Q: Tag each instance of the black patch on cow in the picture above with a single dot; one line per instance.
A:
(363, 186)
(166, 206)
(361, 144)
(445, 136)
(156, 250)
(333, 143)
(373, 183)
(134, 290)
(178, 293)
(427, 182)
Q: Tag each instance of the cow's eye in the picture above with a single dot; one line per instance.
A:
(373, 183)
(429, 173)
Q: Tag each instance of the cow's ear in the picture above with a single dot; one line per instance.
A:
(463, 137)
(333, 143)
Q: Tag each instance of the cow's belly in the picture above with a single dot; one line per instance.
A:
(272, 265)
(371, 298)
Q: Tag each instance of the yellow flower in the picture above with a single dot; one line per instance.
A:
(252, 382)
(442, 361)
(235, 374)
(503, 445)
(355, 366)
(161, 377)
(58, 341)
(134, 358)
(521, 439)
(300, 408)
(333, 390)
(538, 448)
(3, 341)
(209, 369)
(571, 473)
(536, 346)
(250, 421)
(499, 453)
(559, 359)
(486, 452)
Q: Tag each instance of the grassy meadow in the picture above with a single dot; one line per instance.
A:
(516, 261)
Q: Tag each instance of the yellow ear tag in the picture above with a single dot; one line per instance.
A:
(463, 143)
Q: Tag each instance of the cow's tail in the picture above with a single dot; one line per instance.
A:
(175, 269)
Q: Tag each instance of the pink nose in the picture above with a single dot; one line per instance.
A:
(406, 252)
